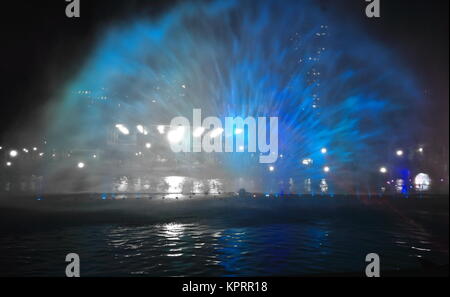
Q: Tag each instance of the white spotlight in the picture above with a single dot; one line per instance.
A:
(383, 169)
(422, 182)
(13, 153)
(124, 130)
(271, 168)
(238, 131)
(326, 169)
(399, 153)
(8, 164)
(161, 129)
(307, 162)
(81, 165)
(323, 150)
(176, 135)
(141, 129)
(198, 132)
(148, 145)
(216, 132)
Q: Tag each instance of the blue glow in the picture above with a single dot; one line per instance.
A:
(249, 59)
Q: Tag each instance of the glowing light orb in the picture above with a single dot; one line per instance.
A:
(326, 169)
(422, 182)
(383, 169)
(399, 153)
(13, 153)
(9, 164)
(81, 165)
(148, 145)
(271, 168)
(323, 150)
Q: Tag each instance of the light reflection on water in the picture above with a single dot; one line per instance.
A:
(227, 246)
(167, 184)
(281, 249)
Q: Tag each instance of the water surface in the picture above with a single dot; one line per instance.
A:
(224, 237)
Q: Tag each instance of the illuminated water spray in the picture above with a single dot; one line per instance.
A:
(339, 96)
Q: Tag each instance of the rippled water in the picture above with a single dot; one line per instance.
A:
(291, 238)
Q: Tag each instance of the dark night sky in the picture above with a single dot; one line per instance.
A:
(42, 48)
